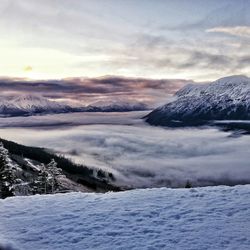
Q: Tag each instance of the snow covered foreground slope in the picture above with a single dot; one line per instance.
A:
(202, 218)
(225, 99)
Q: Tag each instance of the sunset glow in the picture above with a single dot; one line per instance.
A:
(149, 39)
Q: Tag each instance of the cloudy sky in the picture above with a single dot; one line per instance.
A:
(192, 40)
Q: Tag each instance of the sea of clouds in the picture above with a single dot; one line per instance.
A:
(138, 154)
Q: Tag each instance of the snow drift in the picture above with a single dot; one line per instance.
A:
(202, 218)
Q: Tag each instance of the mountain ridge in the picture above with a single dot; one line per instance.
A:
(26, 105)
(227, 98)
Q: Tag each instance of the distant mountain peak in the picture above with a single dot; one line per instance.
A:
(236, 79)
(227, 98)
(29, 97)
(30, 104)
(36, 104)
(118, 104)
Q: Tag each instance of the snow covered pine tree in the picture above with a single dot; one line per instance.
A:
(7, 178)
(46, 181)
(54, 172)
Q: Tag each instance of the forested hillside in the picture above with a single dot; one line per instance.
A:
(32, 170)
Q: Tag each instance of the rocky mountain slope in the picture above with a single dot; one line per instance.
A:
(225, 99)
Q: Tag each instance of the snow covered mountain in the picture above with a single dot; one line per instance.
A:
(225, 99)
(116, 106)
(25, 105)
(31, 104)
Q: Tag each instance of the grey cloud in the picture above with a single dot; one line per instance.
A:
(234, 14)
(160, 52)
(243, 63)
(202, 59)
(69, 26)
(87, 89)
(245, 60)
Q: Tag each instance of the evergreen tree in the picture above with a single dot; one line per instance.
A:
(46, 181)
(188, 184)
(53, 173)
(39, 184)
(7, 178)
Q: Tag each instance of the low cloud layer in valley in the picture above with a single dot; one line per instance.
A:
(143, 156)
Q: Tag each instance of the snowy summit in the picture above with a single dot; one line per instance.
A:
(29, 105)
(225, 99)
(116, 105)
(26, 105)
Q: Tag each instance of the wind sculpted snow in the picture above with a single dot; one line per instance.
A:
(190, 219)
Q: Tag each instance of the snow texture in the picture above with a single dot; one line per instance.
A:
(201, 218)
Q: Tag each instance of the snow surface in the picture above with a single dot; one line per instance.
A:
(202, 218)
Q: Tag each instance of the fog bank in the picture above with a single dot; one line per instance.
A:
(140, 155)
